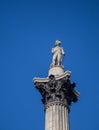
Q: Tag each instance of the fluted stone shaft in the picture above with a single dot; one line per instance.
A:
(56, 117)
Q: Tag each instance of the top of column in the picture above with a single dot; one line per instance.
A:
(57, 87)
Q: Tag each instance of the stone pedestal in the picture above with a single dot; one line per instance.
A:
(56, 70)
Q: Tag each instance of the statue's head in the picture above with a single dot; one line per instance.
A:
(57, 42)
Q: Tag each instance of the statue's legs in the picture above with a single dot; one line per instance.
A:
(54, 62)
(59, 59)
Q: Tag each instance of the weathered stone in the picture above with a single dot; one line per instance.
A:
(57, 92)
(54, 91)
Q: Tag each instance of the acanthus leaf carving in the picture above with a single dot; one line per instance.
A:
(57, 90)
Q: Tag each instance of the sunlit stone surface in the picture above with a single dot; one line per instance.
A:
(57, 92)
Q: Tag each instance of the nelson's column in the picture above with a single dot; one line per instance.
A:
(57, 92)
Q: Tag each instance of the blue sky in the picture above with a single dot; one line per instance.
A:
(28, 30)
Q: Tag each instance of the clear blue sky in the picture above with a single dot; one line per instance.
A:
(28, 30)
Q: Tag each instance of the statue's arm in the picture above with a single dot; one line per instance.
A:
(53, 50)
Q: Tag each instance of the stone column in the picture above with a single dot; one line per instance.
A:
(57, 92)
(56, 117)
(57, 96)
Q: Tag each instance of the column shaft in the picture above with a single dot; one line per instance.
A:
(56, 117)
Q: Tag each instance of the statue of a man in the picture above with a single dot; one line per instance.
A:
(58, 52)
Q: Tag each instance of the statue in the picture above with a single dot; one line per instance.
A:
(58, 52)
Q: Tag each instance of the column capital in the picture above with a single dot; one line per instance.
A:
(59, 91)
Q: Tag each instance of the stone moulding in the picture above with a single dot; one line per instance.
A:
(56, 103)
(44, 80)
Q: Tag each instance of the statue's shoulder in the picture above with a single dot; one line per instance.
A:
(60, 48)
